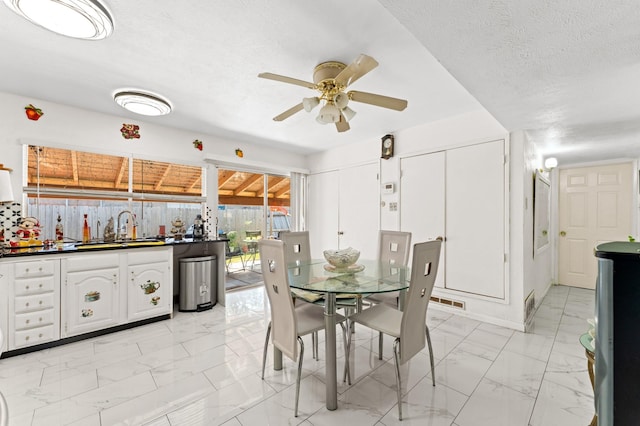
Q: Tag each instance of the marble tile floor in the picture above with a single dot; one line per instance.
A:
(204, 369)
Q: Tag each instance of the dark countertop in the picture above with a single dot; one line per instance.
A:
(71, 247)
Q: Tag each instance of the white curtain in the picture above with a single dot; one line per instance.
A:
(298, 209)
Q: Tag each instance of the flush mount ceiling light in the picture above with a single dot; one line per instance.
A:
(142, 103)
(85, 19)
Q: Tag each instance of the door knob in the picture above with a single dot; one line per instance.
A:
(562, 233)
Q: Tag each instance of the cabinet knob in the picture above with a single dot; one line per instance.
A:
(563, 233)
(26, 270)
(40, 285)
(26, 304)
(26, 338)
(40, 268)
(40, 335)
(26, 287)
(27, 321)
(40, 302)
(40, 319)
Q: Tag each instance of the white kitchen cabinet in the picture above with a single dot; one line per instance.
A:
(91, 293)
(34, 302)
(459, 194)
(149, 284)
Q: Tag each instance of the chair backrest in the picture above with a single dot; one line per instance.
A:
(253, 235)
(426, 257)
(296, 246)
(284, 330)
(393, 247)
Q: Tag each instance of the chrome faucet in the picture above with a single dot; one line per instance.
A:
(123, 235)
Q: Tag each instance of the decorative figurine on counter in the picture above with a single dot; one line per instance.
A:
(28, 232)
(198, 228)
(109, 232)
(178, 229)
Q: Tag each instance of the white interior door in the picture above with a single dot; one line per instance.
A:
(322, 212)
(359, 211)
(595, 206)
(475, 219)
(422, 196)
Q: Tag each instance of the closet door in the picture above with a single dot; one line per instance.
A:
(475, 212)
(359, 209)
(422, 201)
(322, 212)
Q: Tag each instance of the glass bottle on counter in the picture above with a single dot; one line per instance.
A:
(59, 230)
(85, 230)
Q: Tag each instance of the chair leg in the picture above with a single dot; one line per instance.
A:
(347, 370)
(380, 345)
(396, 357)
(433, 373)
(346, 376)
(315, 342)
(264, 352)
(301, 357)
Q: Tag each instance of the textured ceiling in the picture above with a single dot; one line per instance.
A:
(566, 73)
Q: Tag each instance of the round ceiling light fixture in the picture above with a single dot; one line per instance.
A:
(144, 103)
(84, 19)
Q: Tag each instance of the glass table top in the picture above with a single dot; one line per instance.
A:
(366, 277)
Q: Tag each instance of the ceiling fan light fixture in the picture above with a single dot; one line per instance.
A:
(83, 19)
(348, 113)
(329, 113)
(310, 103)
(142, 102)
(341, 100)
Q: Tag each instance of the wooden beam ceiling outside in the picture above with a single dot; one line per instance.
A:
(61, 168)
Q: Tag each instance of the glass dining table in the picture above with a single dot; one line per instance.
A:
(364, 278)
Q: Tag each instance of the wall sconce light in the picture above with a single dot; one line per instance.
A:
(550, 163)
(6, 191)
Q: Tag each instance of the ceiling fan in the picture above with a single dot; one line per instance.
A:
(331, 79)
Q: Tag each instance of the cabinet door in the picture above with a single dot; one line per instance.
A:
(322, 214)
(359, 209)
(422, 202)
(149, 290)
(90, 301)
(475, 212)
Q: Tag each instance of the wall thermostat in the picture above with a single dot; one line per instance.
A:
(389, 188)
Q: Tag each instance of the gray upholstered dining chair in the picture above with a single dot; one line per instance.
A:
(288, 323)
(393, 248)
(297, 249)
(408, 326)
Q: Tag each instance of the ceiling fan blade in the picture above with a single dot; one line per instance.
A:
(288, 113)
(356, 69)
(377, 100)
(342, 125)
(284, 79)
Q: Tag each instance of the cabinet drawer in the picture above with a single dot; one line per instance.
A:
(34, 319)
(34, 336)
(92, 262)
(37, 268)
(144, 256)
(28, 286)
(35, 302)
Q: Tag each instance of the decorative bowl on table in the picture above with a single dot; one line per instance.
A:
(342, 259)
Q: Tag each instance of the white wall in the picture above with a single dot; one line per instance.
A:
(525, 273)
(65, 126)
(533, 273)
